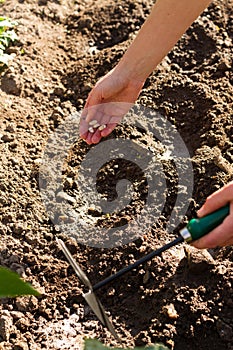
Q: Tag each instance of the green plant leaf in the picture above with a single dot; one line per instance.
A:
(4, 41)
(4, 58)
(7, 23)
(7, 35)
(11, 285)
(93, 344)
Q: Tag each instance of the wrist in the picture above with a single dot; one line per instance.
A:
(130, 72)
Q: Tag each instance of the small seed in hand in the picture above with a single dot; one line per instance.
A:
(91, 129)
(93, 122)
(102, 127)
(96, 125)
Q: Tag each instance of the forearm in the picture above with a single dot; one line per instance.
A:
(167, 22)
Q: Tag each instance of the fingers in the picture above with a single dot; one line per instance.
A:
(223, 234)
(83, 128)
(110, 127)
(217, 200)
(219, 237)
(100, 120)
(94, 138)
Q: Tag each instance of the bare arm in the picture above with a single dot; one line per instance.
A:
(168, 20)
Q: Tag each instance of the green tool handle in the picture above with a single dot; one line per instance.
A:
(197, 228)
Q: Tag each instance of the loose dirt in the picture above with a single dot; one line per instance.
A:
(184, 298)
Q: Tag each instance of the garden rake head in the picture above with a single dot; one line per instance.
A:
(195, 229)
(90, 296)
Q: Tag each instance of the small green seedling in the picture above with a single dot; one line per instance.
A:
(93, 344)
(7, 36)
(11, 285)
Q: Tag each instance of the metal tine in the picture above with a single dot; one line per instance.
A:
(82, 276)
(100, 312)
(90, 297)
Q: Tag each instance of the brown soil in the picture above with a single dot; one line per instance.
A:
(63, 48)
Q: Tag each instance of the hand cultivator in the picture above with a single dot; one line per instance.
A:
(195, 229)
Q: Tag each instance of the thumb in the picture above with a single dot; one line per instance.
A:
(93, 101)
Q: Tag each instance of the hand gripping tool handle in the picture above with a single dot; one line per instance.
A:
(199, 227)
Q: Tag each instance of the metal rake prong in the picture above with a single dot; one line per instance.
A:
(79, 272)
(90, 297)
(100, 312)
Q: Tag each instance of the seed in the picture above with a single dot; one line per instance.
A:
(96, 125)
(93, 122)
(102, 127)
(91, 129)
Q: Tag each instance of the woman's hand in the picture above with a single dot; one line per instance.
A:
(168, 20)
(110, 99)
(223, 234)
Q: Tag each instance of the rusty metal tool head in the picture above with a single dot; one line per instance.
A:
(90, 297)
